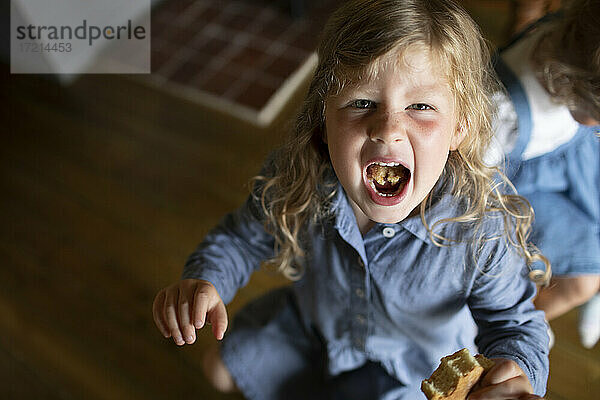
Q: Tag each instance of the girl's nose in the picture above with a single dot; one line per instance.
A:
(388, 129)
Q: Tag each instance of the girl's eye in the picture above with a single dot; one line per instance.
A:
(362, 103)
(420, 107)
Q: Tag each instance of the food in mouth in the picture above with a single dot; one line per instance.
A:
(387, 179)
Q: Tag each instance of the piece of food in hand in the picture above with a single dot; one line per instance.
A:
(455, 376)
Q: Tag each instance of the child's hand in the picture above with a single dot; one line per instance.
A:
(505, 380)
(185, 306)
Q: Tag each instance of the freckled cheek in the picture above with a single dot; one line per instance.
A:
(427, 125)
(430, 146)
(431, 133)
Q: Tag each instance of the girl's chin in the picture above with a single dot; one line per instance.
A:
(386, 214)
(388, 218)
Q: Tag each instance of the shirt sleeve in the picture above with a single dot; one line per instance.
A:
(510, 327)
(232, 251)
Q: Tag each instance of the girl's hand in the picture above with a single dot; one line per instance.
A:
(187, 305)
(505, 380)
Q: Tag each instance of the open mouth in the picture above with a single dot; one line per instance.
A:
(387, 179)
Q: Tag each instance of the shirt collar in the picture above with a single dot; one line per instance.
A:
(345, 220)
(442, 207)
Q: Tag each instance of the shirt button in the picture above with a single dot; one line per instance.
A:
(358, 342)
(360, 319)
(360, 293)
(389, 232)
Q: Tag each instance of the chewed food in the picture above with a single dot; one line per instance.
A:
(387, 179)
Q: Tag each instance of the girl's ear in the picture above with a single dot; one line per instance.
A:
(459, 135)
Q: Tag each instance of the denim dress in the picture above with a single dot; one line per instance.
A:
(372, 315)
(561, 181)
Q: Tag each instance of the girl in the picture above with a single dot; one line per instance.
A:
(547, 126)
(380, 209)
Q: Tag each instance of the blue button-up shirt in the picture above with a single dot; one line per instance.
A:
(394, 296)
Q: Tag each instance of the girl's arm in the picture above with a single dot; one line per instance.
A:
(232, 251)
(221, 264)
(509, 326)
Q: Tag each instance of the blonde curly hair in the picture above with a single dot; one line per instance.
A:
(355, 37)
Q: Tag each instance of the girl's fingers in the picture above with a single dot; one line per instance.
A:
(208, 307)
(157, 312)
(505, 380)
(201, 304)
(502, 371)
(186, 327)
(513, 388)
(218, 319)
(171, 314)
(181, 308)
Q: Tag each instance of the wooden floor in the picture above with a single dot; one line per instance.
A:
(106, 187)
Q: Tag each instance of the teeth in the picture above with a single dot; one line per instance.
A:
(389, 164)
